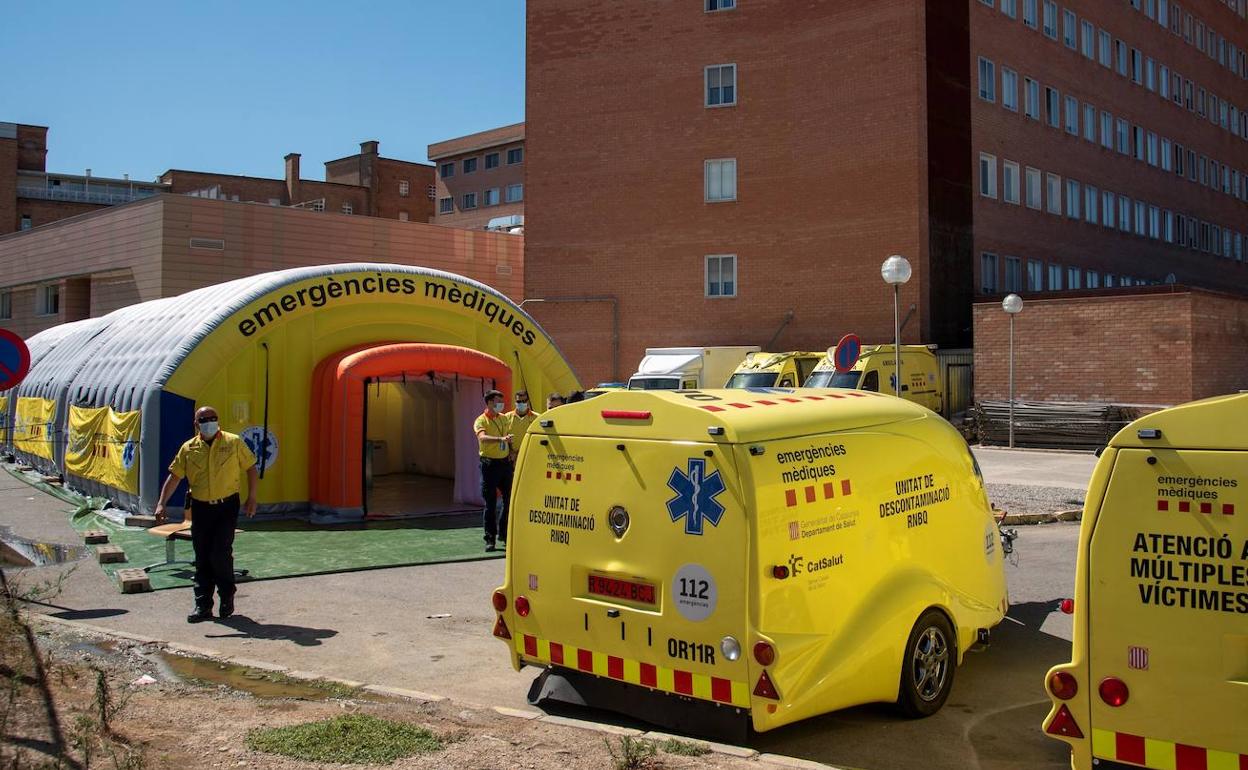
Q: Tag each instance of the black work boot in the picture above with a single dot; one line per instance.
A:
(226, 607)
(199, 615)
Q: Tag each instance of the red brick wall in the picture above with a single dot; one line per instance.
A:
(43, 212)
(8, 185)
(1157, 347)
(477, 182)
(386, 199)
(829, 137)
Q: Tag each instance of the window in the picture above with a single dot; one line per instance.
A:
(1091, 204)
(26, 222)
(404, 217)
(514, 193)
(1033, 188)
(347, 208)
(1032, 105)
(987, 175)
(470, 165)
(1163, 81)
(721, 275)
(1089, 123)
(1137, 142)
(1150, 74)
(1072, 116)
(1029, 13)
(1141, 218)
(1054, 193)
(987, 80)
(1035, 275)
(447, 170)
(1009, 89)
(1109, 280)
(1013, 274)
(1107, 130)
(446, 205)
(515, 155)
(469, 201)
(1050, 19)
(1073, 197)
(491, 160)
(1070, 29)
(1104, 48)
(1052, 106)
(1010, 181)
(721, 85)
(1093, 278)
(1151, 145)
(1154, 222)
(1120, 56)
(720, 5)
(1087, 39)
(1137, 66)
(1124, 213)
(48, 299)
(490, 197)
(721, 179)
(1055, 277)
(1124, 137)
(1167, 224)
(1074, 278)
(1108, 208)
(6, 304)
(1010, 8)
(988, 273)
(404, 188)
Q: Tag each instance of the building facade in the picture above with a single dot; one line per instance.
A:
(744, 182)
(165, 245)
(480, 179)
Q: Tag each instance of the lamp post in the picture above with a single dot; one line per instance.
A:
(896, 271)
(1012, 305)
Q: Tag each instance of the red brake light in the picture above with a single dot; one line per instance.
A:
(500, 629)
(623, 414)
(522, 606)
(764, 653)
(1114, 691)
(500, 601)
(765, 689)
(780, 572)
(1068, 606)
(1063, 685)
(1063, 724)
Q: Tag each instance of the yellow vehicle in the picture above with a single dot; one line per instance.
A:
(876, 369)
(715, 560)
(774, 370)
(1159, 670)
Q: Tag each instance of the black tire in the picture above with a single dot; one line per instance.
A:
(927, 669)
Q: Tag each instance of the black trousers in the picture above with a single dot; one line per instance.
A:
(212, 535)
(495, 477)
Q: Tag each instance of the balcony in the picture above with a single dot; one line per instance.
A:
(108, 195)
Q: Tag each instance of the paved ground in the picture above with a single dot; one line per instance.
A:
(428, 628)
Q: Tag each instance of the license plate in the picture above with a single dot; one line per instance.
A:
(615, 588)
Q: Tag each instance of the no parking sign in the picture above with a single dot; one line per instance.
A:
(14, 359)
(846, 353)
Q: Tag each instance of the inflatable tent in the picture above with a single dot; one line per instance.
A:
(356, 385)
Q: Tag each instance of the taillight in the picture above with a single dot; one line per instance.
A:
(522, 606)
(500, 601)
(779, 572)
(1114, 691)
(1068, 606)
(1063, 685)
(1064, 724)
(500, 629)
(764, 653)
(624, 414)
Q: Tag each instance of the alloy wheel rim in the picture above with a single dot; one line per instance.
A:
(930, 666)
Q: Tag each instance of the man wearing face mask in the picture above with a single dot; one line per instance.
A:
(212, 463)
(520, 419)
(493, 429)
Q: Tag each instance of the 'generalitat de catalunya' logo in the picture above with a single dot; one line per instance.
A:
(695, 496)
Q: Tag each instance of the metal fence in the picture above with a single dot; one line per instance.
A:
(958, 374)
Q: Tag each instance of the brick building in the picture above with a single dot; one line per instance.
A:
(745, 179)
(165, 245)
(480, 179)
(1154, 345)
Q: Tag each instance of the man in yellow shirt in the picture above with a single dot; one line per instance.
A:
(520, 419)
(493, 429)
(213, 463)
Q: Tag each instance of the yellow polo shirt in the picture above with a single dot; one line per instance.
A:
(492, 446)
(519, 426)
(213, 470)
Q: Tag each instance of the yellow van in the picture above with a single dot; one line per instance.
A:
(774, 370)
(1159, 670)
(715, 560)
(876, 369)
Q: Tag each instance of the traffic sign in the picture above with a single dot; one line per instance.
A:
(845, 355)
(14, 359)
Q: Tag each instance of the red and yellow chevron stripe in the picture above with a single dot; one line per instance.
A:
(712, 688)
(1162, 755)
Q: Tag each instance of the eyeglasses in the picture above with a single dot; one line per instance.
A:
(206, 418)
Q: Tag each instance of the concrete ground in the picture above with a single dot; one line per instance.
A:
(428, 629)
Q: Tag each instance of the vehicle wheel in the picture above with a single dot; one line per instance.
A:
(927, 669)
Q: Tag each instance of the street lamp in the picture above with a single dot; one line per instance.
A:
(1012, 305)
(896, 271)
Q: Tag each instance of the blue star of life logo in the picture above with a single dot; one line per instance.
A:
(695, 496)
(127, 455)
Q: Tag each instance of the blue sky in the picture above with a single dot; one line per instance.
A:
(139, 86)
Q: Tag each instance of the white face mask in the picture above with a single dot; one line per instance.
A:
(209, 429)
(521, 407)
(497, 407)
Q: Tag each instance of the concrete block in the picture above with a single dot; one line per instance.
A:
(133, 581)
(586, 725)
(145, 522)
(399, 692)
(110, 554)
(779, 760)
(95, 537)
(718, 748)
(517, 713)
